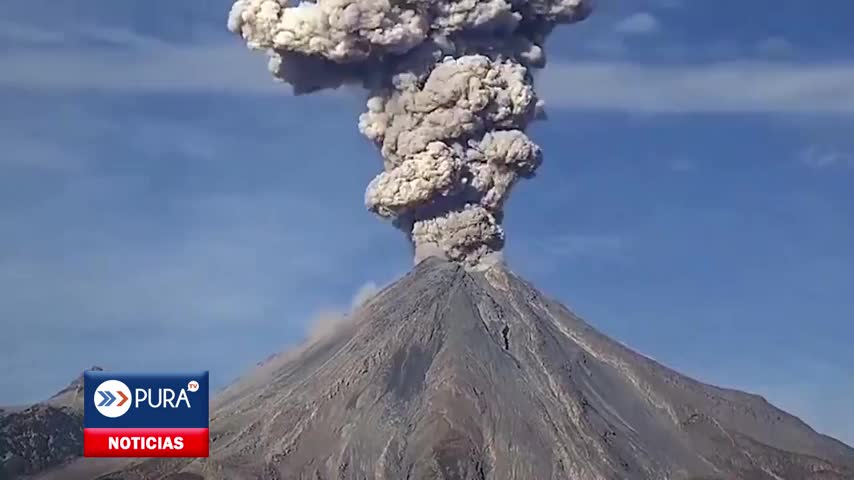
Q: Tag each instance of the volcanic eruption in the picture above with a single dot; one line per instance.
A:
(451, 94)
(461, 370)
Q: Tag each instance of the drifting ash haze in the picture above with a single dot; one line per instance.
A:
(451, 96)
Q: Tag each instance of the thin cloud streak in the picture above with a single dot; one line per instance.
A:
(137, 64)
(722, 88)
(817, 157)
(732, 87)
(176, 69)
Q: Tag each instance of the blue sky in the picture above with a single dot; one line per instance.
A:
(165, 205)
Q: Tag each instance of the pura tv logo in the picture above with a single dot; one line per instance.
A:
(145, 415)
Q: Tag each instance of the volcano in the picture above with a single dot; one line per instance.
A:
(455, 374)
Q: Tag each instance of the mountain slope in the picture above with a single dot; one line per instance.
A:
(44, 435)
(462, 375)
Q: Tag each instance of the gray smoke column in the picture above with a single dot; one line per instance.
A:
(451, 96)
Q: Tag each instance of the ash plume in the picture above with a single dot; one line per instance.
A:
(451, 94)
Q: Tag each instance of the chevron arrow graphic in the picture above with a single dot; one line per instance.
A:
(111, 400)
(124, 398)
(104, 400)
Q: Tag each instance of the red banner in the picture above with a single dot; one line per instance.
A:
(145, 442)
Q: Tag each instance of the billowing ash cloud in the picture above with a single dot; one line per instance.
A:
(451, 96)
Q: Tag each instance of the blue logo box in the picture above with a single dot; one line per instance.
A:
(170, 400)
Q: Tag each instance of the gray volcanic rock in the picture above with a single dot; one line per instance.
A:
(449, 374)
(44, 435)
(38, 438)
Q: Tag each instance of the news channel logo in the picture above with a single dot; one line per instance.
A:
(112, 398)
(145, 415)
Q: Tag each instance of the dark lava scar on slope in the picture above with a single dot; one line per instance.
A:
(408, 371)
